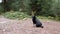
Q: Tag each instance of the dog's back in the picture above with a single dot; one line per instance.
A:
(38, 23)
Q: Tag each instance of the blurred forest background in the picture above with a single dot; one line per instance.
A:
(17, 9)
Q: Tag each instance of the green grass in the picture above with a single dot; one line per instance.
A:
(16, 15)
(20, 15)
(43, 17)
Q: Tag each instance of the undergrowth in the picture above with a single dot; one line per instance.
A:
(16, 15)
(21, 15)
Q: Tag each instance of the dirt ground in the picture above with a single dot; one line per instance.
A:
(8, 26)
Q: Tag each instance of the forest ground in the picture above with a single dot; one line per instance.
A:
(9, 26)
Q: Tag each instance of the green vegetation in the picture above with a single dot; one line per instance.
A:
(49, 9)
(16, 15)
(20, 15)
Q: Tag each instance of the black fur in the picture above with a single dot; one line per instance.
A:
(34, 19)
(37, 22)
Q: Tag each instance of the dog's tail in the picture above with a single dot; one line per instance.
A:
(42, 27)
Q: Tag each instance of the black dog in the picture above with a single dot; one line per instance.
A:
(34, 19)
(37, 22)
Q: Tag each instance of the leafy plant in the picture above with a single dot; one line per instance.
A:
(16, 15)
